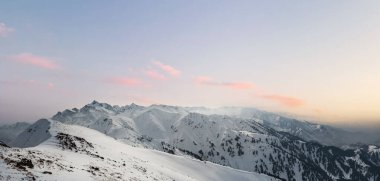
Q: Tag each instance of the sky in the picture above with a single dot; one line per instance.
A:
(319, 60)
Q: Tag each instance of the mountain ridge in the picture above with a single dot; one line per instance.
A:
(240, 143)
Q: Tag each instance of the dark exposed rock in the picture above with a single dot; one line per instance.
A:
(3, 144)
(73, 143)
(76, 144)
(21, 164)
(47, 172)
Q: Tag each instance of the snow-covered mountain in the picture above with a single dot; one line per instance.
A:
(78, 153)
(11, 131)
(323, 134)
(245, 144)
(308, 131)
(229, 137)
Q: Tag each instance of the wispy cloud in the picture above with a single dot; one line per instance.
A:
(126, 81)
(5, 30)
(284, 100)
(205, 80)
(154, 74)
(29, 83)
(35, 60)
(51, 85)
(238, 85)
(167, 69)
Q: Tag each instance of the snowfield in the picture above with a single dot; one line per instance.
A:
(78, 153)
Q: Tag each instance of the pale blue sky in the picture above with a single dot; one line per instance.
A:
(314, 58)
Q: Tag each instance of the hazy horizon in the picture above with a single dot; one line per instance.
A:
(316, 60)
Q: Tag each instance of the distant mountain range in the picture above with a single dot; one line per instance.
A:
(263, 144)
(10, 132)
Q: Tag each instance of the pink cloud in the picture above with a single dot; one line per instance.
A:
(154, 75)
(126, 81)
(284, 100)
(239, 85)
(51, 85)
(4, 30)
(204, 80)
(38, 61)
(168, 69)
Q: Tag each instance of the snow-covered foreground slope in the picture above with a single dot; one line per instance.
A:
(77, 153)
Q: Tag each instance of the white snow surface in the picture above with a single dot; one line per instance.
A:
(100, 157)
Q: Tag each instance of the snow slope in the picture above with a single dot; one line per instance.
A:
(78, 153)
